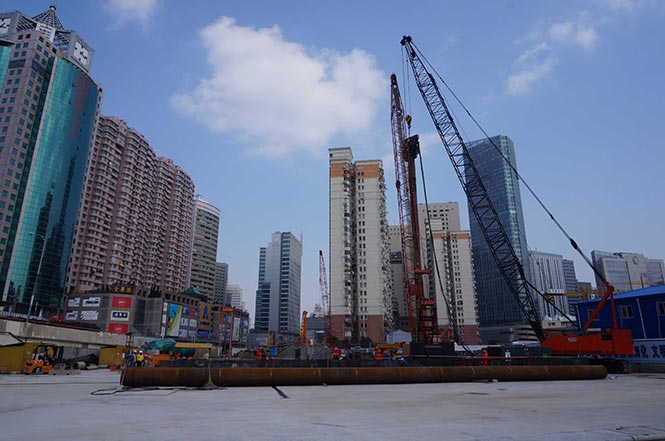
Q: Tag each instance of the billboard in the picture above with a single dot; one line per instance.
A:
(121, 302)
(91, 301)
(236, 329)
(71, 315)
(173, 320)
(118, 328)
(76, 301)
(121, 316)
(90, 315)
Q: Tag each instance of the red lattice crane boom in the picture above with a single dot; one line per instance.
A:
(422, 310)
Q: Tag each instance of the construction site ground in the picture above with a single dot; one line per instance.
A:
(90, 406)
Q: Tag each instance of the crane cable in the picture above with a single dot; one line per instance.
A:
(451, 318)
(519, 177)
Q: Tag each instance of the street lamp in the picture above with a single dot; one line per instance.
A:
(39, 268)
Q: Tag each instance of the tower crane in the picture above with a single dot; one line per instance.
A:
(610, 342)
(421, 309)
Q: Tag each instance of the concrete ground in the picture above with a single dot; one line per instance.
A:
(53, 408)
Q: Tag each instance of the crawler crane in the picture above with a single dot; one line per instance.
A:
(606, 342)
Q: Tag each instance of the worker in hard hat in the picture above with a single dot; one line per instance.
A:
(140, 358)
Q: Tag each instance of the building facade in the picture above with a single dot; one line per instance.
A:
(496, 304)
(573, 291)
(547, 274)
(234, 293)
(627, 271)
(170, 245)
(360, 271)
(136, 216)
(221, 279)
(204, 247)
(185, 316)
(451, 280)
(48, 110)
(112, 227)
(278, 293)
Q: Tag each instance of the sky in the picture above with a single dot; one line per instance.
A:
(248, 96)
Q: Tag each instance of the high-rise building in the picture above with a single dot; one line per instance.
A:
(48, 111)
(572, 285)
(235, 295)
(172, 224)
(204, 247)
(360, 275)
(136, 216)
(221, 279)
(113, 226)
(627, 271)
(278, 293)
(451, 269)
(547, 274)
(497, 305)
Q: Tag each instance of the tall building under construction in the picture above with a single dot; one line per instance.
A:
(360, 275)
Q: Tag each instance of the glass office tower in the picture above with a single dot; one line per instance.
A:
(496, 304)
(48, 109)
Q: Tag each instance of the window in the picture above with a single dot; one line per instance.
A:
(661, 308)
(626, 311)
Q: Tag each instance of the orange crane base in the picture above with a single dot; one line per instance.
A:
(612, 342)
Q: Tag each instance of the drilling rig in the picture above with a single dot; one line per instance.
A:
(421, 309)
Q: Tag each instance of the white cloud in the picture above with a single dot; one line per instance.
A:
(519, 83)
(429, 142)
(546, 43)
(573, 33)
(532, 52)
(124, 11)
(276, 94)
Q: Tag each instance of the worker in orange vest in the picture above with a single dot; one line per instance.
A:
(485, 356)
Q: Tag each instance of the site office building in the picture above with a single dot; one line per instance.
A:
(360, 274)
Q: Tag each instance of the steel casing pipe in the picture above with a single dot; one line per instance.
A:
(202, 376)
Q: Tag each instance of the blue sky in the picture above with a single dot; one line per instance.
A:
(248, 96)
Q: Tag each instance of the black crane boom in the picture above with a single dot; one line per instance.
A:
(483, 210)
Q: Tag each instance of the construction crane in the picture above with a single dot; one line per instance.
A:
(421, 309)
(612, 342)
(325, 299)
(303, 329)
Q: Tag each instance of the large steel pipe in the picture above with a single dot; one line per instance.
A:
(198, 377)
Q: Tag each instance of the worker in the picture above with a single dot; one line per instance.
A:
(507, 356)
(139, 359)
(259, 356)
(485, 357)
(129, 358)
